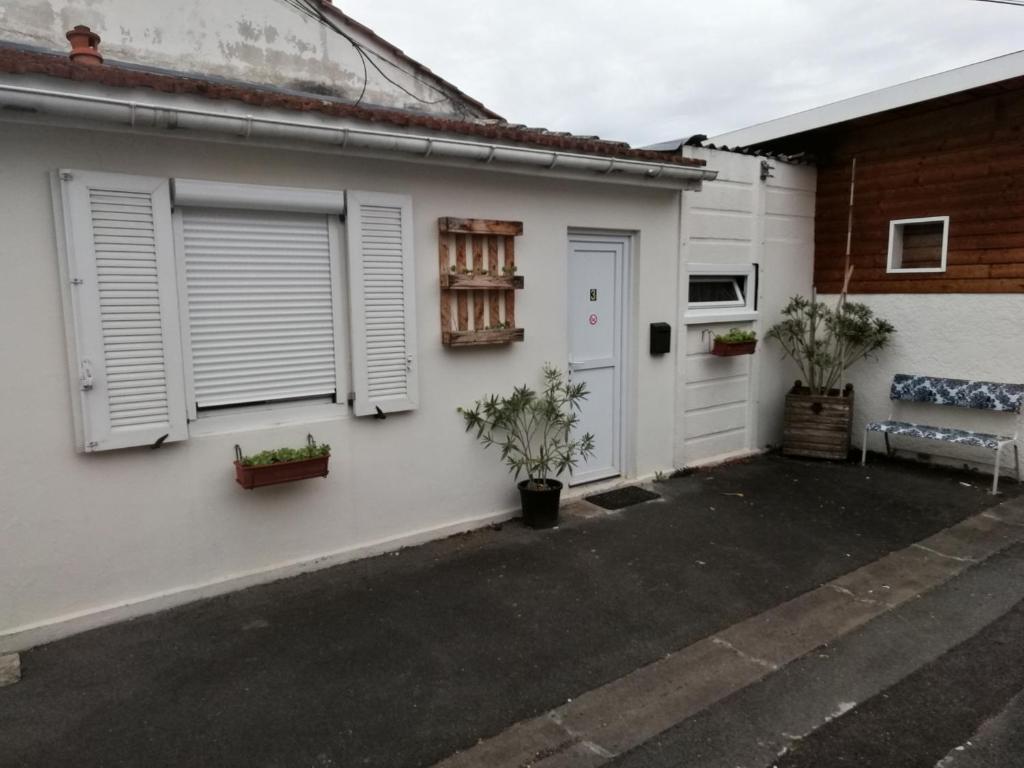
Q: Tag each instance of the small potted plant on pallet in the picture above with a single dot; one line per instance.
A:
(735, 342)
(534, 431)
(282, 465)
(824, 342)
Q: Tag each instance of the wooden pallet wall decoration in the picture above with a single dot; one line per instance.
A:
(479, 280)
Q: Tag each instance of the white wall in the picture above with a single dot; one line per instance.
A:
(733, 405)
(259, 41)
(86, 539)
(960, 336)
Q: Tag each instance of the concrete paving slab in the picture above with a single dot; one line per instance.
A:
(973, 539)
(1010, 511)
(757, 724)
(799, 626)
(628, 711)
(919, 719)
(899, 576)
(10, 669)
(524, 744)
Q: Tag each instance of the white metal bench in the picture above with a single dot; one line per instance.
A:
(960, 393)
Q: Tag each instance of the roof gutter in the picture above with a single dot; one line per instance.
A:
(241, 125)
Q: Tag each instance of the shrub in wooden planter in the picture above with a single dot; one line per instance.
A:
(282, 465)
(817, 425)
(824, 342)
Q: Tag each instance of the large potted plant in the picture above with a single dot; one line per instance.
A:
(824, 342)
(534, 431)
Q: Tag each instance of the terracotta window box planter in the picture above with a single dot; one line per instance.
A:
(733, 348)
(259, 475)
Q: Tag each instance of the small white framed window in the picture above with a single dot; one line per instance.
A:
(717, 291)
(918, 245)
(728, 290)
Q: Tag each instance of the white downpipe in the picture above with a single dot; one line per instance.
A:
(243, 125)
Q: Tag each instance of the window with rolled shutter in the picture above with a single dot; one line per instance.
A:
(383, 302)
(123, 307)
(260, 305)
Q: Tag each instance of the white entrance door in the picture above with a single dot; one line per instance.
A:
(598, 269)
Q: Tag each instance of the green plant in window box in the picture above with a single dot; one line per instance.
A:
(736, 342)
(737, 336)
(282, 465)
(279, 455)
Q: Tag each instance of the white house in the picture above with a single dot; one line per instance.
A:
(198, 256)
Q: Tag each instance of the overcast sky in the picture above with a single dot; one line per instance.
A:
(648, 70)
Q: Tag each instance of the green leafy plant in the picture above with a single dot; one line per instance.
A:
(736, 336)
(534, 429)
(279, 455)
(825, 341)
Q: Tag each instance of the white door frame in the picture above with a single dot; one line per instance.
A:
(626, 372)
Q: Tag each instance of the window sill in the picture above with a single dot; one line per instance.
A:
(910, 271)
(724, 316)
(250, 420)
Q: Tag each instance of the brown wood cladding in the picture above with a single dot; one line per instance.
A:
(962, 157)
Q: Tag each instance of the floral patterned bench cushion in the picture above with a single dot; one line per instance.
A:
(946, 434)
(987, 395)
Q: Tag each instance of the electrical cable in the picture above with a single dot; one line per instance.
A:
(306, 8)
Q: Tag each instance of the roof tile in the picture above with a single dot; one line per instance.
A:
(18, 61)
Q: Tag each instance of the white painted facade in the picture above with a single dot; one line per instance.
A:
(959, 336)
(89, 538)
(93, 538)
(731, 406)
(260, 41)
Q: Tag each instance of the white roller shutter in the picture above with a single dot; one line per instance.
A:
(382, 288)
(260, 305)
(122, 288)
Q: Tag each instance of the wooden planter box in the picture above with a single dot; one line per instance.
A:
(481, 338)
(817, 426)
(473, 304)
(281, 472)
(463, 282)
(731, 348)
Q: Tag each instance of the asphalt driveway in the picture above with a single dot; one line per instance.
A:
(403, 659)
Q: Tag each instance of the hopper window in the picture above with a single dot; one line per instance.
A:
(707, 291)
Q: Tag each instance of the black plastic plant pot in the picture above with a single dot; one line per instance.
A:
(540, 505)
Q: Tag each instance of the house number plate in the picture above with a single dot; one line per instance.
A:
(593, 294)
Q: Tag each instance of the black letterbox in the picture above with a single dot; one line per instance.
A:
(661, 338)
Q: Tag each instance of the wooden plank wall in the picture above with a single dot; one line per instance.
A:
(961, 157)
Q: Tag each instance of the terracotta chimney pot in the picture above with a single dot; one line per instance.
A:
(84, 44)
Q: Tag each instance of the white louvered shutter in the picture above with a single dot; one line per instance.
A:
(119, 246)
(260, 305)
(382, 288)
